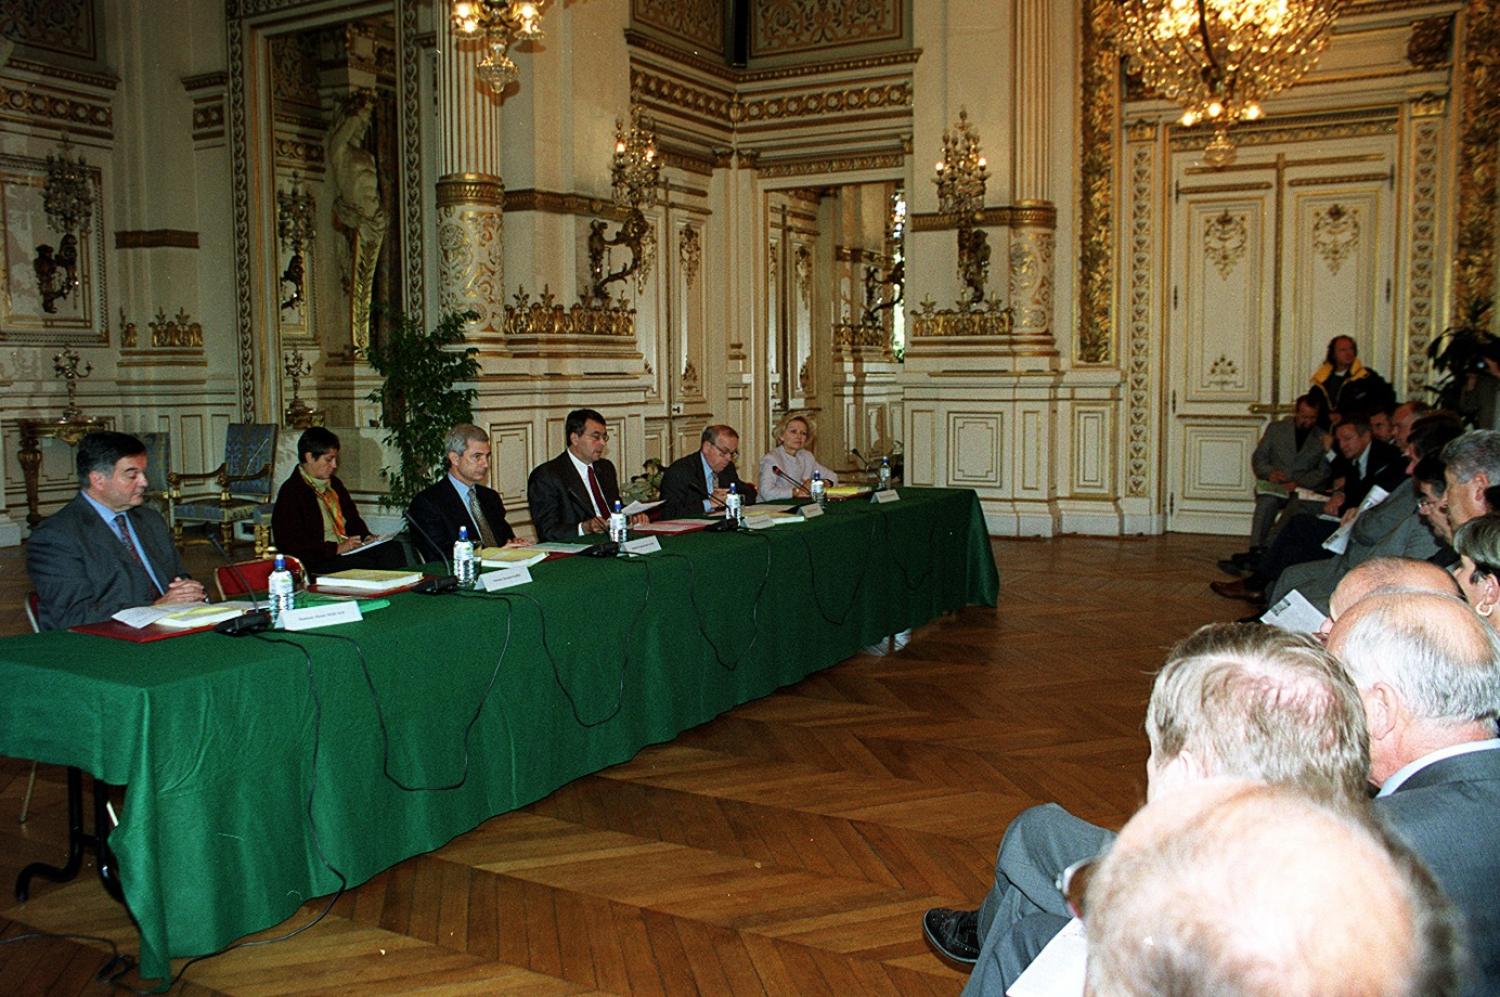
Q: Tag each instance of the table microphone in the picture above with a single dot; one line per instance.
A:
(252, 622)
(786, 477)
(436, 584)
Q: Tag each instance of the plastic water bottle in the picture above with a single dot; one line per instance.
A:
(819, 489)
(885, 474)
(282, 587)
(619, 529)
(463, 558)
(733, 504)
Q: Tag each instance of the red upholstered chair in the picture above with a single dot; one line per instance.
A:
(33, 604)
(232, 579)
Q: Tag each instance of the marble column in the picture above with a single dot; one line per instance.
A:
(1031, 265)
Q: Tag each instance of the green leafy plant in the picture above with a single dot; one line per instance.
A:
(418, 401)
(1459, 352)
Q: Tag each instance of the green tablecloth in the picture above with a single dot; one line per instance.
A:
(215, 737)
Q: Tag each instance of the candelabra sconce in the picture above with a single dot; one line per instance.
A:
(296, 225)
(500, 24)
(635, 173)
(72, 368)
(299, 415)
(878, 278)
(960, 179)
(68, 201)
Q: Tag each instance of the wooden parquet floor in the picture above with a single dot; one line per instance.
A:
(788, 847)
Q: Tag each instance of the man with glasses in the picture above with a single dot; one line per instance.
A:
(699, 483)
(462, 498)
(572, 494)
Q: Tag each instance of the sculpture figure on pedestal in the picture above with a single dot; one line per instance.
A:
(357, 209)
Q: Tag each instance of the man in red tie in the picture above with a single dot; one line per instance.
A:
(572, 494)
(104, 551)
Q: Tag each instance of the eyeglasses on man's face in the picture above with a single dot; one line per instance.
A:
(731, 454)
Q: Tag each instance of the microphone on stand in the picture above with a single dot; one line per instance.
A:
(786, 477)
(436, 584)
(253, 622)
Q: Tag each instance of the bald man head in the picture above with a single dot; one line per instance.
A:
(1242, 889)
(1389, 574)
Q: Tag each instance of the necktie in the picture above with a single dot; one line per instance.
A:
(600, 506)
(135, 554)
(486, 535)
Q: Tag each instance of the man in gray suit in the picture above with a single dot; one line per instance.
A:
(104, 551)
(1290, 455)
(1428, 671)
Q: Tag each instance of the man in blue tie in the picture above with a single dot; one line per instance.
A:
(104, 551)
(698, 483)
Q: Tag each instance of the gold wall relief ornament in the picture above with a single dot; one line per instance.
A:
(1223, 373)
(71, 368)
(992, 320)
(179, 333)
(1421, 293)
(128, 335)
(831, 101)
(805, 377)
(692, 385)
(1335, 234)
(1431, 43)
(861, 338)
(1140, 292)
(471, 265)
(1030, 282)
(699, 22)
(781, 27)
(690, 254)
(65, 26)
(804, 268)
(1224, 239)
(1098, 100)
(1479, 154)
(772, 259)
(546, 318)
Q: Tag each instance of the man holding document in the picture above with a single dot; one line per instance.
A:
(104, 551)
(699, 483)
(462, 498)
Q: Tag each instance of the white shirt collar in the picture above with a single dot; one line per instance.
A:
(1411, 768)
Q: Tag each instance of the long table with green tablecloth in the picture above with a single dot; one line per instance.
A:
(252, 768)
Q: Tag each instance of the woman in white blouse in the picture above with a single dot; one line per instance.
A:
(794, 460)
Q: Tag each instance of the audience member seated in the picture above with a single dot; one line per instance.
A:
(1406, 415)
(1391, 529)
(699, 483)
(1478, 571)
(573, 493)
(316, 521)
(1386, 574)
(104, 551)
(1289, 456)
(1432, 485)
(1428, 671)
(1238, 889)
(794, 459)
(1346, 385)
(1472, 466)
(462, 498)
(1241, 700)
(1367, 463)
(1383, 425)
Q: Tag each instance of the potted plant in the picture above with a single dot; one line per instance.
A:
(1464, 354)
(419, 401)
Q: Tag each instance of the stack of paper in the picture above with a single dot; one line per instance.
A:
(368, 579)
(510, 557)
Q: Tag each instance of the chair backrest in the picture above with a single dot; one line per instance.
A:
(249, 446)
(158, 463)
(231, 579)
(33, 608)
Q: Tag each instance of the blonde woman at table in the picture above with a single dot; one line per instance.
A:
(795, 461)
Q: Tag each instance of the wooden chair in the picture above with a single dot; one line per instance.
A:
(158, 469)
(245, 483)
(231, 579)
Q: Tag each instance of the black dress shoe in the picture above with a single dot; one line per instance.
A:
(1230, 566)
(954, 933)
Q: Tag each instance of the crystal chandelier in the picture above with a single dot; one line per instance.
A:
(67, 193)
(501, 23)
(1220, 58)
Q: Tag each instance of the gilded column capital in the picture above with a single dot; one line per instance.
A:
(470, 188)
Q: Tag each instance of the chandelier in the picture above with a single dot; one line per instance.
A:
(634, 173)
(961, 177)
(1220, 58)
(501, 23)
(67, 193)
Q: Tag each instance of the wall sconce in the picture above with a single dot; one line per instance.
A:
(299, 415)
(893, 276)
(635, 173)
(961, 176)
(68, 201)
(72, 368)
(502, 23)
(295, 226)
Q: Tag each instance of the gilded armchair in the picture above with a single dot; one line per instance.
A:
(245, 483)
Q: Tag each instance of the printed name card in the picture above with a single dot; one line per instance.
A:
(759, 522)
(327, 615)
(493, 581)
(890, 495)
(812, 510)
(641, 545)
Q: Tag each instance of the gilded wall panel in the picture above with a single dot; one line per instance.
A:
(1140, 318)
(700, 22)
(1422, 289)
(783, 27)
(1479, 155)
(1223, 299)
(63, 26)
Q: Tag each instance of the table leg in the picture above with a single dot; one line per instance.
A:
(77, 842)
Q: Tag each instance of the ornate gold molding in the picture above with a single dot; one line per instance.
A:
(36, 106)
(1421, 294)
(862, 338)
(155, 238)
(216, 80)
(646, 43)
(546, 318)
(180, 333)
(994, 321)
(1431, 43)
(1479, 121)
(557, 203)
(1303, 128)
(1140, 292)
(814, 166)
(1026, 214)
(470, 188)
(104, 81)
(833, 101)
(1098, 97)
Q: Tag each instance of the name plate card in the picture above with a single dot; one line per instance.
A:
(493, 581)
(759, 522)
(328, 615)
(641, 545)
(812, 510)
(890, 495)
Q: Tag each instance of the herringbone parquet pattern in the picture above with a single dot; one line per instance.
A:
(789, 847)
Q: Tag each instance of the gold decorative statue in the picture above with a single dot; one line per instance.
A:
(357, 208)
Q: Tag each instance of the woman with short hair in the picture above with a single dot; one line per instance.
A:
(794, 460)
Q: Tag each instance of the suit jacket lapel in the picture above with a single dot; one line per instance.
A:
(575, 485)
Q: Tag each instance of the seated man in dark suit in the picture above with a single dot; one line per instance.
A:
(573, 493)
(104, 551)
(461, 499)
(699, 483)
(315, 519)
